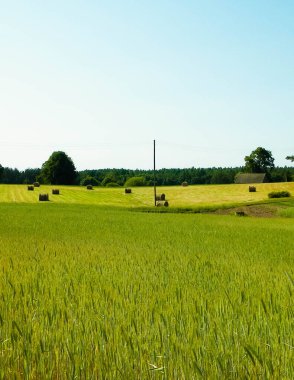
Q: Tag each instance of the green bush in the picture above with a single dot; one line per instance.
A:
(279, 194)
(135, 181)
(112, 184)
(110, 178)
(89, 181)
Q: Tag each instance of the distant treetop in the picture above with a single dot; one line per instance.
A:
(259, 161)
(59, 169)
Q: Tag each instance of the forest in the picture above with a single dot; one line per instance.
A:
(168, 177)
(60, 169)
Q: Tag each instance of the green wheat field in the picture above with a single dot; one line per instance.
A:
(93, 287)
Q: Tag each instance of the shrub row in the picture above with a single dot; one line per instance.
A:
(279, 194)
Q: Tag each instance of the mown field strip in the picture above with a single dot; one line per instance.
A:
(88, 292)
(191, 196)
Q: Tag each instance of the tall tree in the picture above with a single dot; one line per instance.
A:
(1, 170)
(259, 161)
(291, 158)
(59, 169)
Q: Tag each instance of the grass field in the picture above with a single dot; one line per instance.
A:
(96, 292)
(194, 197)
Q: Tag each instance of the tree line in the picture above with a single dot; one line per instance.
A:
(60, 169)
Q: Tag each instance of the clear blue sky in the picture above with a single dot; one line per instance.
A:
(208, 80)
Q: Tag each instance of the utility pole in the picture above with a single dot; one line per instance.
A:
(154, 176)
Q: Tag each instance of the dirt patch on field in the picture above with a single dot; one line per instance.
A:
(262, 211)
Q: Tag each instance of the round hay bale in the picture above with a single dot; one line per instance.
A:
(252, 189)
(43, 197)
(55, 191)
(128, 191)
(89, 187)
(185, 184)
(162, 204)
(36, 184)
(31, 188)
(160, 197)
